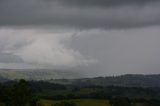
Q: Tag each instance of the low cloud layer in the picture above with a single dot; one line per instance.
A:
(40, 47)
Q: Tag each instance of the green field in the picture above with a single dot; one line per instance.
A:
(79, 102)
(1, 104)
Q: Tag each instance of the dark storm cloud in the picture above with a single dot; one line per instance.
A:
(104, 3)
(71, 13)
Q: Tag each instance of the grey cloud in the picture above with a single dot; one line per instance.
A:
(121, 14)
(128, 51)
(54, 38)
(104, 3)
(42, 48)
(9, 58)
(133, 51)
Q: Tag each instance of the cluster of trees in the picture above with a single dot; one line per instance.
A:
(17, 94)
(23, 93)
(40, 86)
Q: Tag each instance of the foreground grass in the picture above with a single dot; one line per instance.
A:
(79, 102)
(1, 104)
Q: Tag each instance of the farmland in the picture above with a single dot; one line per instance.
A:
(79, 102)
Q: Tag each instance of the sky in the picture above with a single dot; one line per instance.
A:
(96, 37)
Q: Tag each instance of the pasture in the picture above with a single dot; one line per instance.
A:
(79, 102)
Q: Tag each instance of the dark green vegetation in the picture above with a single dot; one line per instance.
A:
(82, 92)
(17, 94)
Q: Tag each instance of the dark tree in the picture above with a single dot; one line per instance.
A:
(22, 94)
(6, 95)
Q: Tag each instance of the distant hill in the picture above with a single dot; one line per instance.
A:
(128, 80)
(70, 77)
(36, 74)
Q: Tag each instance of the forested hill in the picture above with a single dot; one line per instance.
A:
(128, 80)
(70, 78)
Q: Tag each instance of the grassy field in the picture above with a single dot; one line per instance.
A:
(1, 104)
(79, 102)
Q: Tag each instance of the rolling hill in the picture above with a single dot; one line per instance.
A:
(74, 78)
(36, 74)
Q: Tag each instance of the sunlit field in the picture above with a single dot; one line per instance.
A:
(79, 102)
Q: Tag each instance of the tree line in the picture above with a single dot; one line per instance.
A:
(17, 94)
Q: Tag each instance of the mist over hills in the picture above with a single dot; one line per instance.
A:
(77, 79)
(37, 74)
(128, 80)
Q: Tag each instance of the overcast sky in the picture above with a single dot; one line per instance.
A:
(97, 37)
